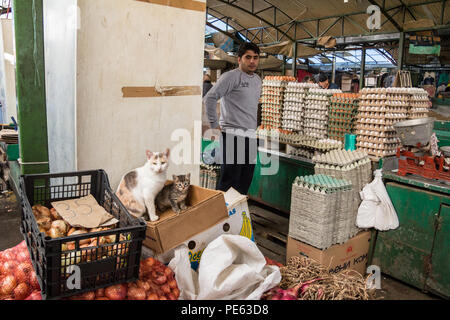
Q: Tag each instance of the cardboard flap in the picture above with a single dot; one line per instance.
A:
(83, 212)
(233, 197)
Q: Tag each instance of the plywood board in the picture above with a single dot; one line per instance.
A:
(148, 92)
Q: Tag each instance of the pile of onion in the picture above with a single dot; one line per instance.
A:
(18, 280)
(156, 282)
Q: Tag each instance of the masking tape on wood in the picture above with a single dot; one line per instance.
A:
(148, 92)
(182, 4)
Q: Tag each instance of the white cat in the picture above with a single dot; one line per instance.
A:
(138, 188)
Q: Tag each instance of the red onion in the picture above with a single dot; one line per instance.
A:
(7, 285)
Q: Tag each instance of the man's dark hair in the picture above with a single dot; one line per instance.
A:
(323, 77)
(248, 46)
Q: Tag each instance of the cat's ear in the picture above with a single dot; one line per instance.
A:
(174, 177)
(149, 154)
(167, 153)
(188, 176)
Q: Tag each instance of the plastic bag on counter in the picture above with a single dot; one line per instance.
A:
(231, 268)
(376, 210)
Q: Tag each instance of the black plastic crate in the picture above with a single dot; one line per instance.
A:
(101, 265)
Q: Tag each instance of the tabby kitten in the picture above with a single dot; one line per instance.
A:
(138, 188)
(174, 195)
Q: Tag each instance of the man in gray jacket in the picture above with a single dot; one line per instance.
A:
(239, 91)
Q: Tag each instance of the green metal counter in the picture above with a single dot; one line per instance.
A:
(275, 190)
(417, 252)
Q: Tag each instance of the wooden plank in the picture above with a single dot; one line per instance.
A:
(269, 254)
(181, 4)
(271, 216)
(150, 92)
(262, 229)
(270, 245)
(270, 226)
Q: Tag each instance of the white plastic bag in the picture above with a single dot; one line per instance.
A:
(231, 268)
(376, 210)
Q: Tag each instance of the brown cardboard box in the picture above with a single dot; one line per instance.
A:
(351, 255)
(206, 208)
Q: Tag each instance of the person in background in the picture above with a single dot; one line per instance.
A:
(308, 79)
(324, 82)
(239, 91)
(207, 85)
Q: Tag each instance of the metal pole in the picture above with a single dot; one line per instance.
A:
(363, 68)
(401, 50)
(284, 65)
(333, 71)
(294, 60)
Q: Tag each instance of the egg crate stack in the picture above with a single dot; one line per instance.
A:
(272, 100)
(315, 117)
(209, 176)
(319, 209)
(379, 109)
(353, 166)
(279, 135)
(308, 147)
(419, 103)
(294, 99)
(342, 115)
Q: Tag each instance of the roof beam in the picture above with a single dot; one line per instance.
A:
(386, 14)
(256, 16)
(232, 36)
(221, 19)
(408, 9)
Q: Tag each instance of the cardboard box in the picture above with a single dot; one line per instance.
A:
(238, 222)
(206, 208)
(351, 255)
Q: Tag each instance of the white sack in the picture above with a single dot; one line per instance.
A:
(231, 268)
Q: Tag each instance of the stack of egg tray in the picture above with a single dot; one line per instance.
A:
(379, 109)
(319, 210)
(342, 115)
(209, 176)
(272, 100)
(315, 118)
(294, 99)
(353, 166)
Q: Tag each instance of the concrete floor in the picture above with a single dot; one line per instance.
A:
(10, 236)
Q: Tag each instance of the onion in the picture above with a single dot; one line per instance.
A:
(171, 296)
(88, 296)
(166, 289)
(23, 256)
(116, 292)
(7, 285)
(176, 292)
(54, 214)
(23, 272)
(135, 293)
(172, 284)
(8, 267)
(102, 298)
(44, 222)
(60, 225)
(8, 255)
(153, 296)
(144, 285)
(21, 292)
(162, 298)
(34, 281)
(100, 293)
(55, 233)
(36, 295)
